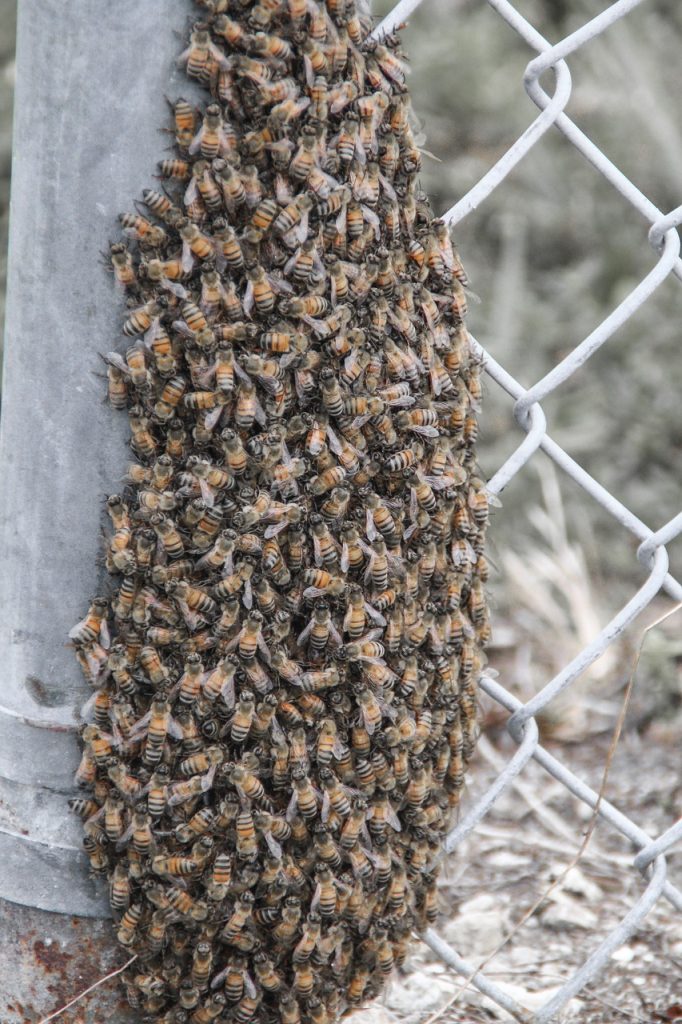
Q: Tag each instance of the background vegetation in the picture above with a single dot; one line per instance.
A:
(550, 254)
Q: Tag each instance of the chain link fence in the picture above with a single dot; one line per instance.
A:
(530, 417)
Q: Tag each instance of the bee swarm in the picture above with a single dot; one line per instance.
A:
(283, 715)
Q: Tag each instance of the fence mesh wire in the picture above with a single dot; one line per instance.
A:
(664, 240)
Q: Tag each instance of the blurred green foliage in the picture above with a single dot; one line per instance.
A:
(556, 248)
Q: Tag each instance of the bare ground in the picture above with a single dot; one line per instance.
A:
(529, 838)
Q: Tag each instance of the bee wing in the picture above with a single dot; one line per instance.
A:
(288, 359)
(207, 492)
(248, 299)
(277, 731)
(368, 722)
(350, 361)
(249, 986)
(300, 232)
(268, 384)
(342, 100)
(272, 844)
(360, 152)
(290, 263)
(316, 897)
(203, 561)
(186, 260)
(247, 596)
(192, 619)
(196, 141)
(388, 188)
(370, 528)
(320, 327)
(334, 442)
(310, 592)
(227, 692)
(262, 419)
(174, 288)
(241, 373)
(86, 712)
(225, 143)
(176, 797)
(436, 642)
(220, 261)
(414, 505)
(139, 727)
(334, 634)
(219, 978)
(291, 808)
(375, 616)
(181, 327)
(425, 431)
(410, 530)
(207, 779)
(309, 72)
(368, 570)
(264, 649)
(75, 631)
(191, 192)
(326, 806)
(272, 531)
(303, 636)
(365, 548)
(174, 729)
(182, 59)
(212, 417)
(386, 709)
(345, 558)
(371, 218)
(397, 564)
(114, 359)
(341, 220)
(123, 840)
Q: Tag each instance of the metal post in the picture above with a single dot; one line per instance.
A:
(89, 103)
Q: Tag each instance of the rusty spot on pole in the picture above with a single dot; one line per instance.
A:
(50, 956)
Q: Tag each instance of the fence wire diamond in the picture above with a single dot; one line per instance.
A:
(530, 417)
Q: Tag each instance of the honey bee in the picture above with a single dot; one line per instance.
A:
(201, 58)
(241, 914)
(299, 597)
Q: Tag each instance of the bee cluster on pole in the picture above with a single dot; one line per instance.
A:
(284, 672)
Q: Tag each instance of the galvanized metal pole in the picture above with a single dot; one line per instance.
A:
(89, 103)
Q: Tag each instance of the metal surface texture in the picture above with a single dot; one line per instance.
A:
(650, 857)
(75, 167)
(47, 959)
